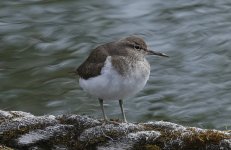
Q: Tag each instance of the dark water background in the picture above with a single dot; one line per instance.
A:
(41, 41)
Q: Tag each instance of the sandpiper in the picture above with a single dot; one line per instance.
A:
(116, 70)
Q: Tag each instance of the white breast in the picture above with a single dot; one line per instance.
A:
(110, 85)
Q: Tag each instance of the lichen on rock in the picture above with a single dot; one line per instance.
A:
(21, 130)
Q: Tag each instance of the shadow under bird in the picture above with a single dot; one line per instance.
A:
(116, 70)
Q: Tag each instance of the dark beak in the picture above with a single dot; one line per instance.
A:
(151, 52)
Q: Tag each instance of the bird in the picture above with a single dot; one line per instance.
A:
(116, 70)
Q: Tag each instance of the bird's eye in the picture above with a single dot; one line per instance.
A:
(137, 47)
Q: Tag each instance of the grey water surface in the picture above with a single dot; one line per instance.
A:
(41, 42)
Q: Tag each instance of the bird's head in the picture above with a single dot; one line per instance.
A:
(138, 44)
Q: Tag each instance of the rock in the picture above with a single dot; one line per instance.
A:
(21, 130)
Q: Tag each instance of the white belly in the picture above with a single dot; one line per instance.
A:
(110, 85)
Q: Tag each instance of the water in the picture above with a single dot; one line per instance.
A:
(41, 42)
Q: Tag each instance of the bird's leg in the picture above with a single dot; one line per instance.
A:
(122, 109)
(104, 115)
(101, 105)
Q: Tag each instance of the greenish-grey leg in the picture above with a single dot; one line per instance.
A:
(122, 110)
(101, 105)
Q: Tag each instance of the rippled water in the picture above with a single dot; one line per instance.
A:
(41, 42)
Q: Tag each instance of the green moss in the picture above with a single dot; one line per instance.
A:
(201, 139)
(2, 147)
(191, 138)
(152, 147)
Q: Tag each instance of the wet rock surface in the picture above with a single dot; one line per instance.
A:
(21, 130)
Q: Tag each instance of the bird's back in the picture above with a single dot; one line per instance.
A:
(92, 66)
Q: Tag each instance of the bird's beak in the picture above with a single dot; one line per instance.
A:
(151, 52)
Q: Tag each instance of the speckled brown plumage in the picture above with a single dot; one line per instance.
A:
(94, 63)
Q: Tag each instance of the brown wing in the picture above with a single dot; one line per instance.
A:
(94, 63)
